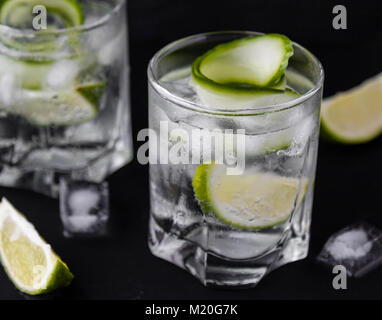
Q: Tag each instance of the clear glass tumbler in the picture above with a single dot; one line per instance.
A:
(64, 98)
(281, 143)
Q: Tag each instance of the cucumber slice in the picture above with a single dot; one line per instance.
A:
(35, 74)
(354, 116)
(243, 99)
(254, 200)
(259, 61)
(28, 74)
(244, 73)
(61, 13)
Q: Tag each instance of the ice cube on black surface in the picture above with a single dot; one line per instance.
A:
(357, 247)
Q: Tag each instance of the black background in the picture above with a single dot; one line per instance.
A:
(348, 187)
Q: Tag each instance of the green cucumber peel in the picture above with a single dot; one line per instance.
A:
(273, 83)
(68, 10)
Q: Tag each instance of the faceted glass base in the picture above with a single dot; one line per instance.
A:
(216, 271)
(46, 181)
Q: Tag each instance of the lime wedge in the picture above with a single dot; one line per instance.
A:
(61, 13)
(92, 92)
(28, 260)
(254, 200)
(354, 116)
(50, 108)
(259, 61)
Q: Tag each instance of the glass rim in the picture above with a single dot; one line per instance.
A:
(81, 28)
(167, 95)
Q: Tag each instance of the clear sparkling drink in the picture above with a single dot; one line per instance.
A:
(64, 106)
(231, 229)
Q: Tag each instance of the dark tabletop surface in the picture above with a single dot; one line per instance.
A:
(349, 179)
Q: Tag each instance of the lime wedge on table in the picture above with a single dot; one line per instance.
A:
(44, 108)
(254, 200)
(28, 260)
(61, 13)
(354, 116)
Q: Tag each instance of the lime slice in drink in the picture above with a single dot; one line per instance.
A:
(354, 116)
(45, 108)
(61, 13)
(254, 200)
(28, 260)
(259, 61)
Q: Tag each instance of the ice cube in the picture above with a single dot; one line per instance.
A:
(357, 247)
(84, 207)
(107, 41)
(61, 74)
(9, 91)
(113, 50)
(179, 82)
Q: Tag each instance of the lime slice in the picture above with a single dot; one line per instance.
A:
(354, 116)
(254, 200)
(28, 260)
(61, 13)
(259, 61)
(93, 93)
(47, 108)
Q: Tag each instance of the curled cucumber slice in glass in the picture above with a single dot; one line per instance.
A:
(61, 13)
(244, 73)
(243, 99)
(259, 61)
(28, 60)
(26, 73)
